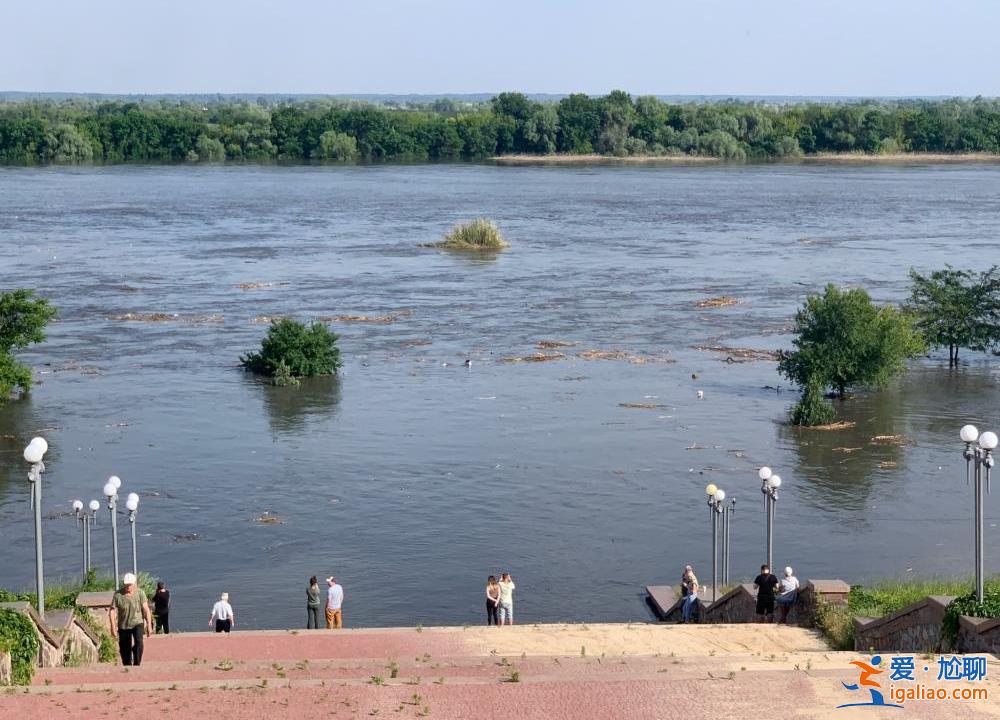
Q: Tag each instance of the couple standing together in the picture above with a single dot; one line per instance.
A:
(334, 604)
(500, 600)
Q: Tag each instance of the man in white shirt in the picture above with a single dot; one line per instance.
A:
(788, 592)
(334, 601)
(223, 615)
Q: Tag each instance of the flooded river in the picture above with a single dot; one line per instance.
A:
(412, 477)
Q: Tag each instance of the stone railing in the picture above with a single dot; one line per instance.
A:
(978, 635)
(61, 635)
(738, 605)
(915, 628)
(97, 605)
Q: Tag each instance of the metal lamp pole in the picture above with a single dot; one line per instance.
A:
(132, 503)
(715, 499)
(91, 521)
(978, 463)
(111, 493)
(81, 518)
(769, 484)
(33, 454)
(727, 530)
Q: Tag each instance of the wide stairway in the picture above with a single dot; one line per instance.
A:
(530, 671)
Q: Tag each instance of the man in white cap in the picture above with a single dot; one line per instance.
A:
(788, 593)
(222, 615)
(334, 604)
(129, 617)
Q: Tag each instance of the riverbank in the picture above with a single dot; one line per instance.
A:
(915, 158)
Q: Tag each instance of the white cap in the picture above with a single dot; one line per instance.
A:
(788, 571)
(128, 579)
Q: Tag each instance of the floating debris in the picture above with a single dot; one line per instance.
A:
(259, 285)
(715, 302)
(534, 357)
(168, 317)
(622, 355)
(897, 440)
(268, 319)
(552, 344)
(839, 425)
(186, 537)
(887, 464)
(268, 519)
(382, 319)
(643, 406)
(846, 449)
(734, 355)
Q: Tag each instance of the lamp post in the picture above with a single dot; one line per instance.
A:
(111, 493)
(81, 518)
(715, 499)
(727, 530)
(978, 463)
(132, 503)
(92, 520)
(33, 454)
(769, 484)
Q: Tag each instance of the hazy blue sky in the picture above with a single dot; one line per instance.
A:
(795, 47)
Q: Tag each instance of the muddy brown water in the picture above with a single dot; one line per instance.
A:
(412, 477)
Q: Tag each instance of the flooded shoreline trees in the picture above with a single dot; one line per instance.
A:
(23, 317)
(177, 129)
(292, 350)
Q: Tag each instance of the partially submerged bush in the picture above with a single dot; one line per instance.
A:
(813, 408)
(291, 351)
(480, 234)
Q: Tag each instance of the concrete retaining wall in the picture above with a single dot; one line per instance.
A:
(978, 635)
(915, 628)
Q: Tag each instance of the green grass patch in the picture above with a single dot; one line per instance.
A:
(480, 234)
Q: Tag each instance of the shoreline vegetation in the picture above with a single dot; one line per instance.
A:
(510, 128)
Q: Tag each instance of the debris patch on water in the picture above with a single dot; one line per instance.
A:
(382, 319)
(552, 344)
(896, 440)
(839, 425)
(734, 355)
(168, 317)
(266, 518)
(534, 357)
(259, 285)
(623, 356)
(716, 302)
(643, 406)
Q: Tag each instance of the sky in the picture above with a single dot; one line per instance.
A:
(696, 47)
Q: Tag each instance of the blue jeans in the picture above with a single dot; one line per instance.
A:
(688, 608)
(507, 611)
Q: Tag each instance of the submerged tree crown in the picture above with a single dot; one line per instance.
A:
(292, 349)
(957, 309)
(845, 340)
(23, 318)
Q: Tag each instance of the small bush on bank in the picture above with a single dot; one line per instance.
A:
(292, 350)
(836, 622)
(480, 234)
(17, 637)
(968, 605)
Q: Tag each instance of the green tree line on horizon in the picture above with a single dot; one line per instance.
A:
(83, 130)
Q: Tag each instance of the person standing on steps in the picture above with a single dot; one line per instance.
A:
(506, 599)
(689, 591)
(788, 593)
(765, 583)
(334, 604)
(222, 615)
(129, 617)
(161, 608)
(492, 601)
(313, 604)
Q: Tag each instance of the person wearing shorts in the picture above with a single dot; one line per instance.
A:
(506, 599)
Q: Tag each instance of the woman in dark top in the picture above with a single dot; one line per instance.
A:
(313, 604)
(161, 608)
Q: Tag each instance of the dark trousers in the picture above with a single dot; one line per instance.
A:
(163, 623)
(223, 625)
(313, 616)
(492, 613)
(130, 644)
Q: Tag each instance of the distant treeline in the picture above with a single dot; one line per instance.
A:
(616, 124)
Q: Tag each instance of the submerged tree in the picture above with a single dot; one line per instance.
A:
(845, 340)
(292, 350)
(958, 309)
(23, 318)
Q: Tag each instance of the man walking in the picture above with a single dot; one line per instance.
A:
(765, 583)
(129, 617)
(334, 603)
